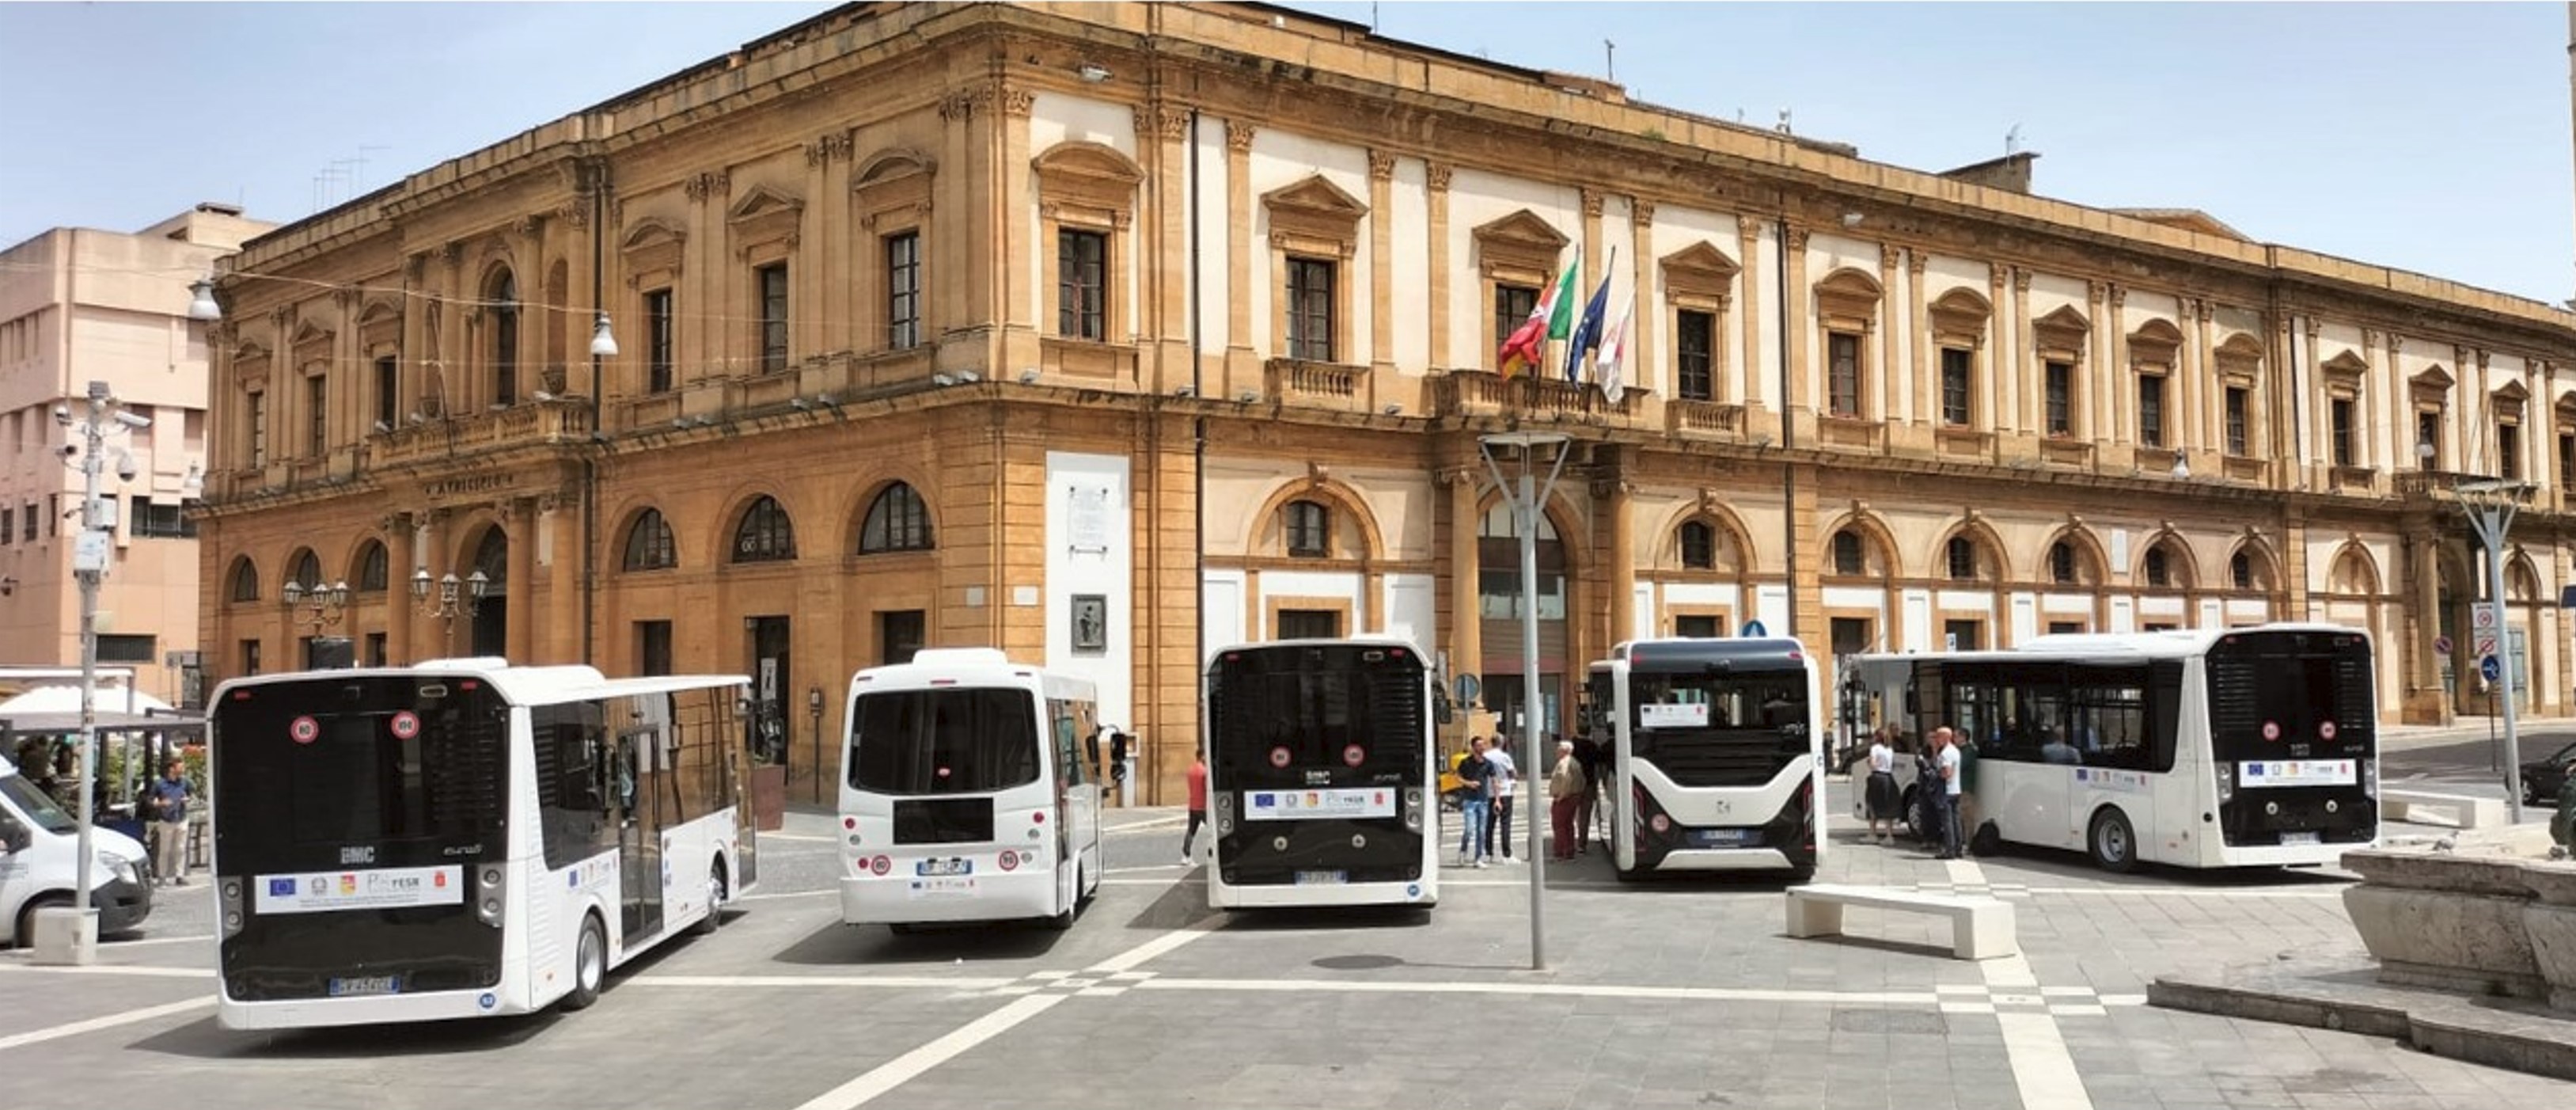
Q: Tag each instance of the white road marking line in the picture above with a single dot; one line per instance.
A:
(782, 894)
(982, 983)
(1147, 826)
(111, 1021)
(1558, 990)
(198, 939)
(805, 838)
(903, 1069)
(116, 969)
(2043, 1070)
(2168, 892)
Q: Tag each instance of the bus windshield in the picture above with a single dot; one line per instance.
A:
(364, 760)
(1722, 701)
(1353, 712)
(944, 740)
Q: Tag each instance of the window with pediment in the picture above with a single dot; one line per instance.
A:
(891, 196)
(501, 345)
(1959, 321)
(767, 226)
(2507, 405)
(2061, 338)
(1699, 284)
(2430, 392)
(1314, 234)
(2153, 350)
(1087, 209)
(1516, 256)
(2239, 362)
(1847, 313)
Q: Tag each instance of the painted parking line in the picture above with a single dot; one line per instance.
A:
(1556, 990)
(721, 981)
(111, 1021)
(141, 970)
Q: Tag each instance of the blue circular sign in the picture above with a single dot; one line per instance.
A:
(2491, 667)
(1754, 630)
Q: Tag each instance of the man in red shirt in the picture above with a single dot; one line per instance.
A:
(1198, 805)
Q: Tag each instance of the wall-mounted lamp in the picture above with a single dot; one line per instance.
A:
(1248, 396)
(2181, 467)
(1186, 391)
(201, 301)
(1093, 72)
(1030, 376)
(8, 585)
(2424, 453)
(942, 380)
(1392, 409)
(603, 343)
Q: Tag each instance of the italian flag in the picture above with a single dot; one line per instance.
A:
(1552, 318)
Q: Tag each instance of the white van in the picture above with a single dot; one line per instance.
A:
(38, 865)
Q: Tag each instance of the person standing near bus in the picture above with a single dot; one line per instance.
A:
(170, 826)
(1197, 779)
(1566, 790)
(1881, 789)
(1500, 790)
(1587, 753)
(1946, 744)
(1475, 777)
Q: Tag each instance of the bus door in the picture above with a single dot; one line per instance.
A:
(1077, 791)
(639, 831)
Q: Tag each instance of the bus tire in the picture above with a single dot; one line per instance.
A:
(2112, 841)
(589, 964)
(715, 900)
(1906, 813)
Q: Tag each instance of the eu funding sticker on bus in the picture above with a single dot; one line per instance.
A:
(382, 889)
(1685, 715)
(1317, 805)
(2299, 772)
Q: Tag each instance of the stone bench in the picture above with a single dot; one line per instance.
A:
(1980, 928)
(2423, 807)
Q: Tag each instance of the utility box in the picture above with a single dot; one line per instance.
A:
(65, 935)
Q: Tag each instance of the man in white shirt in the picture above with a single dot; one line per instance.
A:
(1949, 765)
(1506, 780)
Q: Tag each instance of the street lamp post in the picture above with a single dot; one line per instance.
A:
(1526, 502)
(2490, 506)
(318, 607)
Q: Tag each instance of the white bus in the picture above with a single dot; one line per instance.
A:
(967, 793)
(464, 838)
(1321, 785)
(2212, 748)
(1717, 755)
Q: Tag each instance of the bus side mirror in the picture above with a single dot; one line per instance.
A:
(1441, 710)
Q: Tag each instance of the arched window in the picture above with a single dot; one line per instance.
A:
(245, 581)
(2159, 568)
(2240, 570)
(896, 521)
(1963, 559)
(308, 570)
(1847, 553)
(492, 558)
(765, 534)
(2061, 563)
(1699, 546)
(648, 543)
(502, 301)
(372, 570)
(1309, 528)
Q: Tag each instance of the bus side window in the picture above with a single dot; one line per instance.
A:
(1068, 768)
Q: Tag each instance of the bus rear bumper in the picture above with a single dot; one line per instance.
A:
(1276, 896)
(904, 900)
(1725, 859)
(306, 1013)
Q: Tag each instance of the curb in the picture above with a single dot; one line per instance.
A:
(2513, 1034)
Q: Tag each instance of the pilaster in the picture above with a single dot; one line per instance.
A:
(1747, 371)
(1622, 496)
(562, 640)
(1436, 188)
(1645, 361)
(1919, 341)
(1381, 220)
(519, 519)
(1466, 648)
(1241, 364)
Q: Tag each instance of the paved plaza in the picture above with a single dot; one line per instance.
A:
(1668, 993)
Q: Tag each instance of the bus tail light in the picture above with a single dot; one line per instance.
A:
(2370, 777)
(489, 894)
(1413, 809)
(2226, 782)
(1225, 814)
(231, 893)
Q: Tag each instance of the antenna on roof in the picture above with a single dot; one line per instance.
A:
(2012, 141)
(1784, 122)
(1609, 60)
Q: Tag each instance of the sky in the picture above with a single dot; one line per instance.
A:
(2427, 137)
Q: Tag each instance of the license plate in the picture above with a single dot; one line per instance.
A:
(2298, 839)
(930, 867)
(1322, 878)
(1720, 838)
(366, 984)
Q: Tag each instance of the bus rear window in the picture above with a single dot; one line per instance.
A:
(384, 760)
(953, 740)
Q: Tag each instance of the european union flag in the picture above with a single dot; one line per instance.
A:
(1263, 801)
(281, 888)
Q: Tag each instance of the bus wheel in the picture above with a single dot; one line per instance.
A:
(1906, 814)
(1073, 905)
(589, 964)
(2114, 843)
(715, 901)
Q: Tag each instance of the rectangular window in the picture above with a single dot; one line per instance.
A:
(1955, 366)
(657, 341)
(255, 411)
(1309, 624)
(148, 521)
(1082, 284)
(2061, 398)
(2567, 460)
(1512, 306)
(1849, 635)
(2341, 410)
(2151, 410)
(899, 635)
(249, 657)
(1698, 627)
(2428, 433)
(1694, 339)
(2509, 452)
(317, 415)
(1310, 310)
(773, 317)
(125, 648)
(903, 290)
(2238, 401)
(388, 394)
(1842, 374)
(1962, 635)
(652, 647)
(375, 649)
(9, 525)
(2062, 628)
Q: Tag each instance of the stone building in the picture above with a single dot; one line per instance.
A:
(964, 324)
(79, 305)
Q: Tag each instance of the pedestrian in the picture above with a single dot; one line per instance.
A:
(1501, 790)
(1197, 780)
(1881, 789)
(1946, 744)
(170, 825)
(1602, 801)
(1587, 754)
(1566, 789)
(1475, 776)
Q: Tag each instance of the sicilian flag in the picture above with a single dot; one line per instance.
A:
(1526, 349)
(1587, 333)
(1614, 349)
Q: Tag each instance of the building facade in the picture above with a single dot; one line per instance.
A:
(1112, 334)
(79, 305)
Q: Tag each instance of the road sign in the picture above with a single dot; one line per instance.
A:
(2490, 667)
(2441, 645)
(2482, 617)
(1753, 630)
(2486, 644)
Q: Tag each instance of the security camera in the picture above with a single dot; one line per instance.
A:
(132, 420)
(68, 450)
(124, 467)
